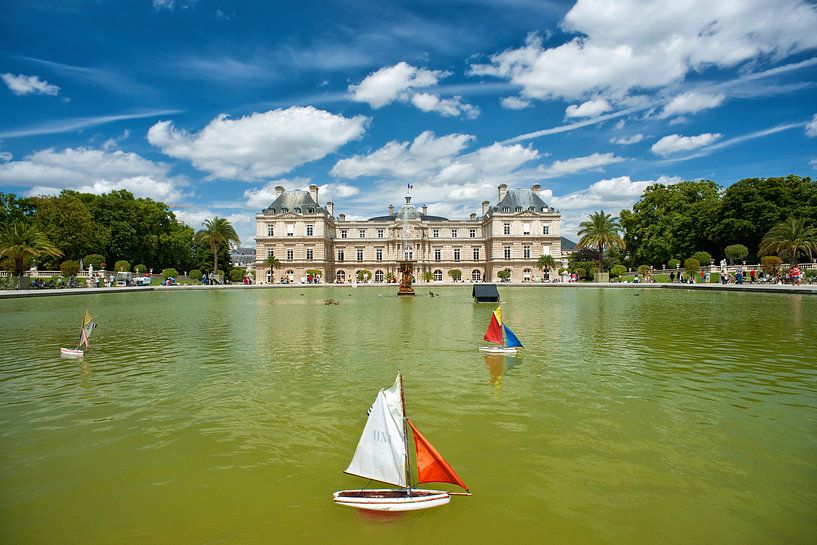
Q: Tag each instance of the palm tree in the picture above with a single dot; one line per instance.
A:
(216, 232)
(790, 237)
(601, 231)
(20, 242)
(546, 263)
(273, 263)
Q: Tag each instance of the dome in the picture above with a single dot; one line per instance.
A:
(408, 212)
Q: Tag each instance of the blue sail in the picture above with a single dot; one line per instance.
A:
(511, 338)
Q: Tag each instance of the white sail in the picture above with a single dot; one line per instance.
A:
(381, 451)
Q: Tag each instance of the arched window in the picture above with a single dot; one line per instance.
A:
(340, 277)
(378, 276)
(269, 276)
(310, 210)
(285, 210)
(526, 274)
(297, 210)
(518, 208)
(476, 275)
(532, 208)
(438, 275)
(290, 275)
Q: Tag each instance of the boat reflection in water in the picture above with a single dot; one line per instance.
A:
(497, 365)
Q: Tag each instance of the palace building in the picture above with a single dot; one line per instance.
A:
(309, 240)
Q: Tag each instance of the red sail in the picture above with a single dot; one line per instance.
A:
(494, 332)
(431, 466)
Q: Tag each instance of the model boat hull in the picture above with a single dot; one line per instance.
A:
(497, 350)
(71, 353)
(389, 499)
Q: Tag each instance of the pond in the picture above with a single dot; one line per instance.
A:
(228, 416)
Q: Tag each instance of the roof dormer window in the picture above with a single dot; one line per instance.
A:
(518, 208)
(310, 210)
(284, 210)
(297, 210)
(506, 208)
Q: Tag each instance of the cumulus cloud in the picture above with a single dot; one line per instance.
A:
(591, 108)
(261, 144)
(262, 197)
(596, 161)
(813, 163)
(691, 102)
(6, 156)
(393, 83)
(629, 44)
(447, 107)
(626, 141)
(514, 103)
(93, 171)
(22, 85)
(811, 126)
(674, 143)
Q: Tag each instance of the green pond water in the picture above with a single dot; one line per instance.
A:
(228, 416)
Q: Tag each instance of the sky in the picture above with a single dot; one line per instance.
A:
(208, 105)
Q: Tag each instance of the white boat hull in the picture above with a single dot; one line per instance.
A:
(497, 350)
(71, 353)
(392, 500)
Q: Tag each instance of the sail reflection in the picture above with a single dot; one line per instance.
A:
(497, 365)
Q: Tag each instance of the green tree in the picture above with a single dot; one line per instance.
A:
(618, 271)
(216, 234)
(69, 267)
(704, 258)
(121, 266)
(601, 231)
(504, 274)
(791, 237)
(237, 274)
(674, 263)
(389, 276)
(455, 274)
(546, 263)
(770, 264)
(170, 272)
(21, 243)
(67, 222)
(428, 276)
(692, 266)
(272, 263)
(735, 252)
(364, 275)
(140, 268)
(93, 260)
(195, 274)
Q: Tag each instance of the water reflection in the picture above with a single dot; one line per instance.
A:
(497, 365)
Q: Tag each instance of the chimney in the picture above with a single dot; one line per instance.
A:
(473, 216)
(535, 188)
(330, 207)
(425, 209)
(503, 190)
(313, 192)
(485, 205)
(391, 209)
(279, 189)
(342, 217)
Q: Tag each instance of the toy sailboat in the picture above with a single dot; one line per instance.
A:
(494, 334)
(383, 455)
(84, 343)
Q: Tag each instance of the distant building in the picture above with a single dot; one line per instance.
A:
(306, 236)
(243, 256)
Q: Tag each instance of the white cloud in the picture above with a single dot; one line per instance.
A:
(591, 108)
(93, 171)
(674, 143)
(22, 85)
(629, 44)
(678, 120)
(626, 141)
(514, 103)
(447, 107)
(691, 102)
(6, 156)
(813, 163)
(578, 164)
(261, 197)
(261, 144)
(393, 83)
(811, 126)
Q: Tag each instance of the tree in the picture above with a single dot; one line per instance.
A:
(770, 264)
(735, 252)
(93, 260)
(66, 221)
(140, 268)
(600, 231)
(170, 272)
(20, 243)
(389, 276)
(69, 267)
(504, 274)
(674, 263)
(428, 276)
(618, 270)
(692, 266)
(121, 266)
(217, 233)
(195, 275)
(791, 237)
(237, 274)
(704, 258)
(546, 263)
(364, 275)
(272, 263)
(455, 274)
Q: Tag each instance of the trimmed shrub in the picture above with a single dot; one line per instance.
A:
(643, 270)
(618, 270)
(770, 264)
(810, 274)
(93, 259)
(140, 268)
(504, 274)
(364, 275)
(69, 267)
(735, 252)
(455, 274)
(704, 258)
(237, 274)
(580, 273)
(195, 274)
(167, 273)
(692, 266)
(673, 263)
(121, 266)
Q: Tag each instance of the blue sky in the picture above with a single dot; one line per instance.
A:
(208, 105)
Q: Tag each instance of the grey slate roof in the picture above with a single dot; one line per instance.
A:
(292, 200)
(568, 244)
(524, 198)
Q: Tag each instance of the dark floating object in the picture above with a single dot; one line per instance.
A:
(431, 293)
(485, 293)
(330, 302)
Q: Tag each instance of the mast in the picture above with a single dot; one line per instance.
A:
(405, 434)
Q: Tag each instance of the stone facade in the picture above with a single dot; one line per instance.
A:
(305, 236)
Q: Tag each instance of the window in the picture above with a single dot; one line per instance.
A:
(506, 208)
(360, 254)
(518, 208)
(310, 254)
(545, 229)
(453, 233)
(438, 275)
(269, 276)
(526, 228)
(310, 230)
(526, 275)
(340, 277)
(438, 254)
(340, 255)
(526, 252)
(290, 254)
(408, 253)
(297, 210)
(435, 233)
(290, 230)
(507, 252)
(344, 233)
(378, 254)
(476, 276)
(456, 254)
(270, 231)
(378, 276)
(284, 210)
(545, 250)
(476, 254)
(362, 233)
(472, 233)
(310, 210)
(506, 228)
(380, 233)
(270, 252)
